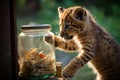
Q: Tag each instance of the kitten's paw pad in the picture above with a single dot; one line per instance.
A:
(48, 38)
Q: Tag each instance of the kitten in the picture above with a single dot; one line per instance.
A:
(80, 32)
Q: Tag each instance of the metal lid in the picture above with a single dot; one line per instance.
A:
(36, 26)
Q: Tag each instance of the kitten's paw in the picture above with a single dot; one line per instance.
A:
(70, 70)
(67, 73)
(49, 38)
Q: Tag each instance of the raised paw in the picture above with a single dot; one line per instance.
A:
(48, 38)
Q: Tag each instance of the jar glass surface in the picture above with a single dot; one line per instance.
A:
(36, 57)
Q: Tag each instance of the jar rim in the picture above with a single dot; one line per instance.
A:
(36, 26)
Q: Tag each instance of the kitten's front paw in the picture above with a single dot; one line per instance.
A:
(48, 38)
(67, 73)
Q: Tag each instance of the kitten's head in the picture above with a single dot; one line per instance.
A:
(72, 21)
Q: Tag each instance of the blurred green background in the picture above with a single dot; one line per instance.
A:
(106, 13)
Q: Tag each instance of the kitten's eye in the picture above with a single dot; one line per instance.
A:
(67, 26)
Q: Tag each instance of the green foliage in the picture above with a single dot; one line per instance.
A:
(110, 23)
(85, 73)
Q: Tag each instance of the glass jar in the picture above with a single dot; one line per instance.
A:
(36, 57)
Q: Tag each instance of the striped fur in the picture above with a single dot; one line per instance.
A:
(79, 32)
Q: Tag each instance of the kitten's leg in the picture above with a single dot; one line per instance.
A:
(61, 43)
(86, 54)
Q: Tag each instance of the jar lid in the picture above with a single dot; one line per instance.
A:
(36, 26)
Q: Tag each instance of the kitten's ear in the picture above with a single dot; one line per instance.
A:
(60, 10)
(79, 14)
